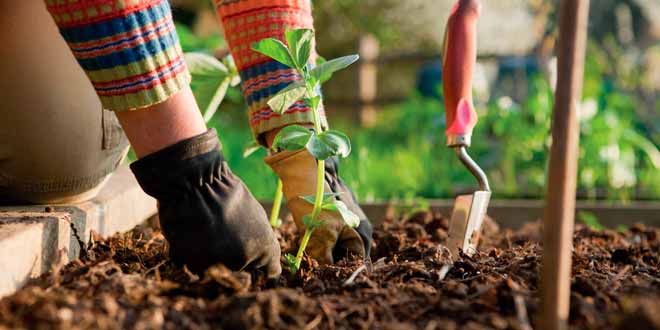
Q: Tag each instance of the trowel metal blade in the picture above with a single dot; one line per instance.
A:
(465, 223)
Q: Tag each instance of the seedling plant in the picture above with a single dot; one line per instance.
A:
(321, 144)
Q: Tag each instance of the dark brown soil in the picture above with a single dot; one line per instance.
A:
(127, 282)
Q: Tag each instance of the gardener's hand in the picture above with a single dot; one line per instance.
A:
(334, 239)
(206, 213)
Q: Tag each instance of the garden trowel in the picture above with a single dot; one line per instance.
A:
(459, 58)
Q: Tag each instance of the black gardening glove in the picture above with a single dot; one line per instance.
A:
(207, 214)
(365, 229)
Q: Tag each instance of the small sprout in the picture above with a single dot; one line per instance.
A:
(320, 143)
(291, 263)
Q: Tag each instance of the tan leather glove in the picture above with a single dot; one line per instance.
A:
(334, 239)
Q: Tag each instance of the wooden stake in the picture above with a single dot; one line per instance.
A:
(560, 200)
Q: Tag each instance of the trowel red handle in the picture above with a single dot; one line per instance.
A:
(459, 58)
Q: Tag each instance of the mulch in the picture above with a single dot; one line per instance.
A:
(127, 282)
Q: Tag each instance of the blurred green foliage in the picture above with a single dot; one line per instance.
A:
(404, 155)
(191, 42)
(590, 220)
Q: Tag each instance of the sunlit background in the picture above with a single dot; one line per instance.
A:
(390, 103)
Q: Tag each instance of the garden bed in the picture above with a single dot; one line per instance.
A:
(127, 282)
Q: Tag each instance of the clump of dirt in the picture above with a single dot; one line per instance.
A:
(127, 282)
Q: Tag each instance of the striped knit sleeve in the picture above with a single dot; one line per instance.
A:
(248, 21)
(128, 48)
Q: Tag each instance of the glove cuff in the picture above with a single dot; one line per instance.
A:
(181, 167)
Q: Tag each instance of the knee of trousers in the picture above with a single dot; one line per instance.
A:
(56, 142)
(60, 163)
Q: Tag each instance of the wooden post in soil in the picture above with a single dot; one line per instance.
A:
(560, 200)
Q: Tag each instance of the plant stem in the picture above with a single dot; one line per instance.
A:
(320, 178)
(303, 243)
(277, 203)
(216, 100)
(320, 184)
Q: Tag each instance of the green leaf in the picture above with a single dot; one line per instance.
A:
(292, 138)
(313, 102)
(319, 149)
(287, 97)
(214, 103)
(307, 221)
(276, 50)
(310, 199)
(350, 218)
(203, 65)
(329, 143)
(323, 72)
(300, 43)
(291, 262)
(338, 142)
(228, 61)
(327, 198)
(187, 39)
(210, 81)
(310, 224)
(251, 148)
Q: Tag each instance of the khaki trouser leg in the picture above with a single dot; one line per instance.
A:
(56, 144)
